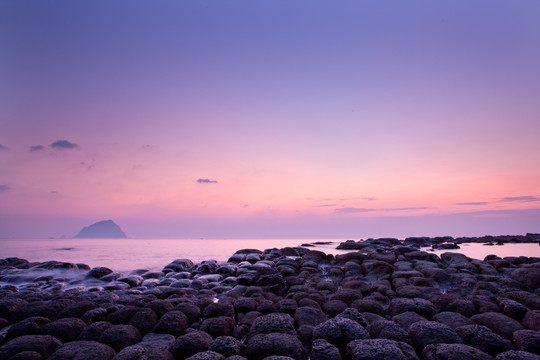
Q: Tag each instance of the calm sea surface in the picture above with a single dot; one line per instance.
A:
(154, 254)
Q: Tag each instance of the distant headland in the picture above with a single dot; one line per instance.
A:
(102, 229)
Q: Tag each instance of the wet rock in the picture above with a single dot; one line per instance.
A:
(513, 309)
(144, 320)
(323, 350)
(192, 311)
(218, 326)
(83, 350)
(179, 265)
(498, 323)
(207, 355)
(527, 340)
(340, 331)
(531, 320)
(77, 310)
(45, 345)
(219, 309)
(482, 338)
(517, 355)
(406, 319)
(67, 329)
(307, 315)
(452, 352)
(420, 306)
(158, 341)
(263, 345)
(94, 315)
(227, 346)
(174, 323)
(98, 272)
(424, 333)
(273, 323)
(122, 315)
(29, 326)
(368, 305)
(191, 343)
(120, 336)
(94, 331)
(452, 319)
(379, 349)
(385, 329)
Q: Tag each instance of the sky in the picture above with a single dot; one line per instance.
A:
(266, 119)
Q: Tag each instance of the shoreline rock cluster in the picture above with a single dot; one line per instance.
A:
(439, 242)
(394, 302)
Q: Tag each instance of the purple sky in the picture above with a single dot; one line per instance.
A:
(270, 119)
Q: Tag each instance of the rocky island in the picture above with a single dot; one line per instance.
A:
(105, 229)
(389, 301)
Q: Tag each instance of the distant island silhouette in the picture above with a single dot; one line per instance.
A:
(102, 229)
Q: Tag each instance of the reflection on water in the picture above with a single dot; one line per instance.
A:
(154, 254)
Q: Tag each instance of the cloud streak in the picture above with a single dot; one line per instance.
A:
(472, 203)
(4, 188)
(206, 181)
(527, 198)
(353, 210)
(3, 147)
(36, 148)
(63, 144)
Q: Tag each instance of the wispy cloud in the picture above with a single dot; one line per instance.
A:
(4, 188)
(473, 203)
(3, 147)
(527, 198)
(206, 181)
(369, 198)
(352, 210)
(63, 144)
(37, 148)
(325, 205)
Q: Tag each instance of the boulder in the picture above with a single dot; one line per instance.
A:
(340, 331)
(517, 355)
(420, 306)
(67, 329)
(28, 326)
(83, 350)
(424, 333)
(385, 329)
(527, 340)
(453, 352)
(263, 345)
(120, 336)
(452, 319)
(498, 323)
(273, 323)
(191, 343)
(174, 323)
(323, 350)
(218, 326)
(42, 344)
(307, 315)
(482, 338)
(207, 355)
(379, 349)
(227, 346)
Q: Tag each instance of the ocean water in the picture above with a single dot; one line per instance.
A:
(153, 254)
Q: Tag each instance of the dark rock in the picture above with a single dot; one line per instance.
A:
(219, 309)
(218, 326)
(263, 345)
(498, 323)
(191, 343)
(83, 350)
(94, 331)
(513, 309)
(462, 306)
(133, 352)
(144, 320)
(158, 341)
(527, 340)
(482, 338)
(28, 326)
(452, 319)
(453, 352)
(334, 307)
(424, 333)
(323, 350)
(98, 272)
(42, 344)
(273, 323)
(307, 315)
(94, 315)
(180, 265)
(406, 319)
(207, 355)
(122, 315)
(420, 306)
(27, 355)
(174, 323)
(531, 320)
(77, 310)
(379, 349)
(65, 330)
(245, 305)
(340, 331)
(368, 305)
(517, 355)
(120, 336)
(386, 329)
(227, 346)
(190, 310)
(354, 315)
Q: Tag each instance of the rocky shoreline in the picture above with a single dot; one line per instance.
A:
(389, 300)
